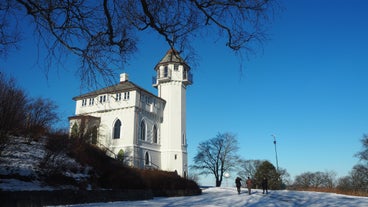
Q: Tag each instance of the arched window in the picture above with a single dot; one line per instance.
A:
(147, 159)
(154, 134)
(143, 130)
(117, 127)
(75, 131)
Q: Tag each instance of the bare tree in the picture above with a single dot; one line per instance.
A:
(316, 180)
(345, 183)
(103, 33)
(363, 155)
(359, 178)
(12, 106)
(9, 30)
(359, 174)
(217, 156)
(40, 115)
(248, 168)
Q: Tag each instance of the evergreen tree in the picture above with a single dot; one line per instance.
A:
(266, 169)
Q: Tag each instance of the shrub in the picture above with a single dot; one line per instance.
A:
(109, 173)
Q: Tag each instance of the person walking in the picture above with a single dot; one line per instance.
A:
(249, 185)
(265, 185)
(238, 184)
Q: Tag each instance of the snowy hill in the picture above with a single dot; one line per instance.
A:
(228, 197)
(19, 172)
(19, 166)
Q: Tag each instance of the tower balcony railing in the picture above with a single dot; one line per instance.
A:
(156, 81)
(187, 79)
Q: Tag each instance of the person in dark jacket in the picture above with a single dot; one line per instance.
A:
(238, 184)
(265, 185)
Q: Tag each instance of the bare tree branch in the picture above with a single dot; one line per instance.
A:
(102, 34)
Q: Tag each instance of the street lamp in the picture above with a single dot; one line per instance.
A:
(277, 161)
(226, 175)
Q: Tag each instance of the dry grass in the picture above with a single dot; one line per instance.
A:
(335, 190)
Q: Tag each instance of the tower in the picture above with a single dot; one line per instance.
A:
(172, 78)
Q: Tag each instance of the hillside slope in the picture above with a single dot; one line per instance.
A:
(20, 166)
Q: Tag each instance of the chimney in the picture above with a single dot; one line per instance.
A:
(123, 77)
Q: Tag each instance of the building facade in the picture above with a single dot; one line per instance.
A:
(142, 129)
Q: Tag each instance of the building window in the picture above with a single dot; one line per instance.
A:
(143, 130)
(126, 95)
(103, 99)
(176, 156)
(146, 159)
(176, 67)
(84, 102)
(154, 134)
(91, 101)
(117, 127)
(183, 140)
(118, 97)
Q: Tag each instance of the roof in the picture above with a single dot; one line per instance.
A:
(84, 117)
(172, 56)
(120, 87)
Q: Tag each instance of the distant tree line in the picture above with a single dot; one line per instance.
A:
(315, 180)
(355, 183)
(22, 115)
(219, 155)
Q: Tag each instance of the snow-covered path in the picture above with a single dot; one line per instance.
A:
(228, 197)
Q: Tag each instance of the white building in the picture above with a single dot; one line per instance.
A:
(149, 130)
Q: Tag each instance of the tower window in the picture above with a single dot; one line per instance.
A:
(166, 71)
(184, 74)
(176, 67)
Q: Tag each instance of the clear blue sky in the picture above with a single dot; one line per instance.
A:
(307, 86)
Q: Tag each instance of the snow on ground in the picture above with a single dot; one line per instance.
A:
(229, 197)
(19, 165)
(21, 157)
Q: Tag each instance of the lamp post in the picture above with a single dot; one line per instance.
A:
(277, 161)
(226, 175)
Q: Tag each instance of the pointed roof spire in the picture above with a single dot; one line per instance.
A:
(172, 56)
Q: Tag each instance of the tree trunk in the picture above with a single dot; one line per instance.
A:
(218, 183)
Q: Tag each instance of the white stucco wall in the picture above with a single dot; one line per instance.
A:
(174, 152)
(140, 106)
